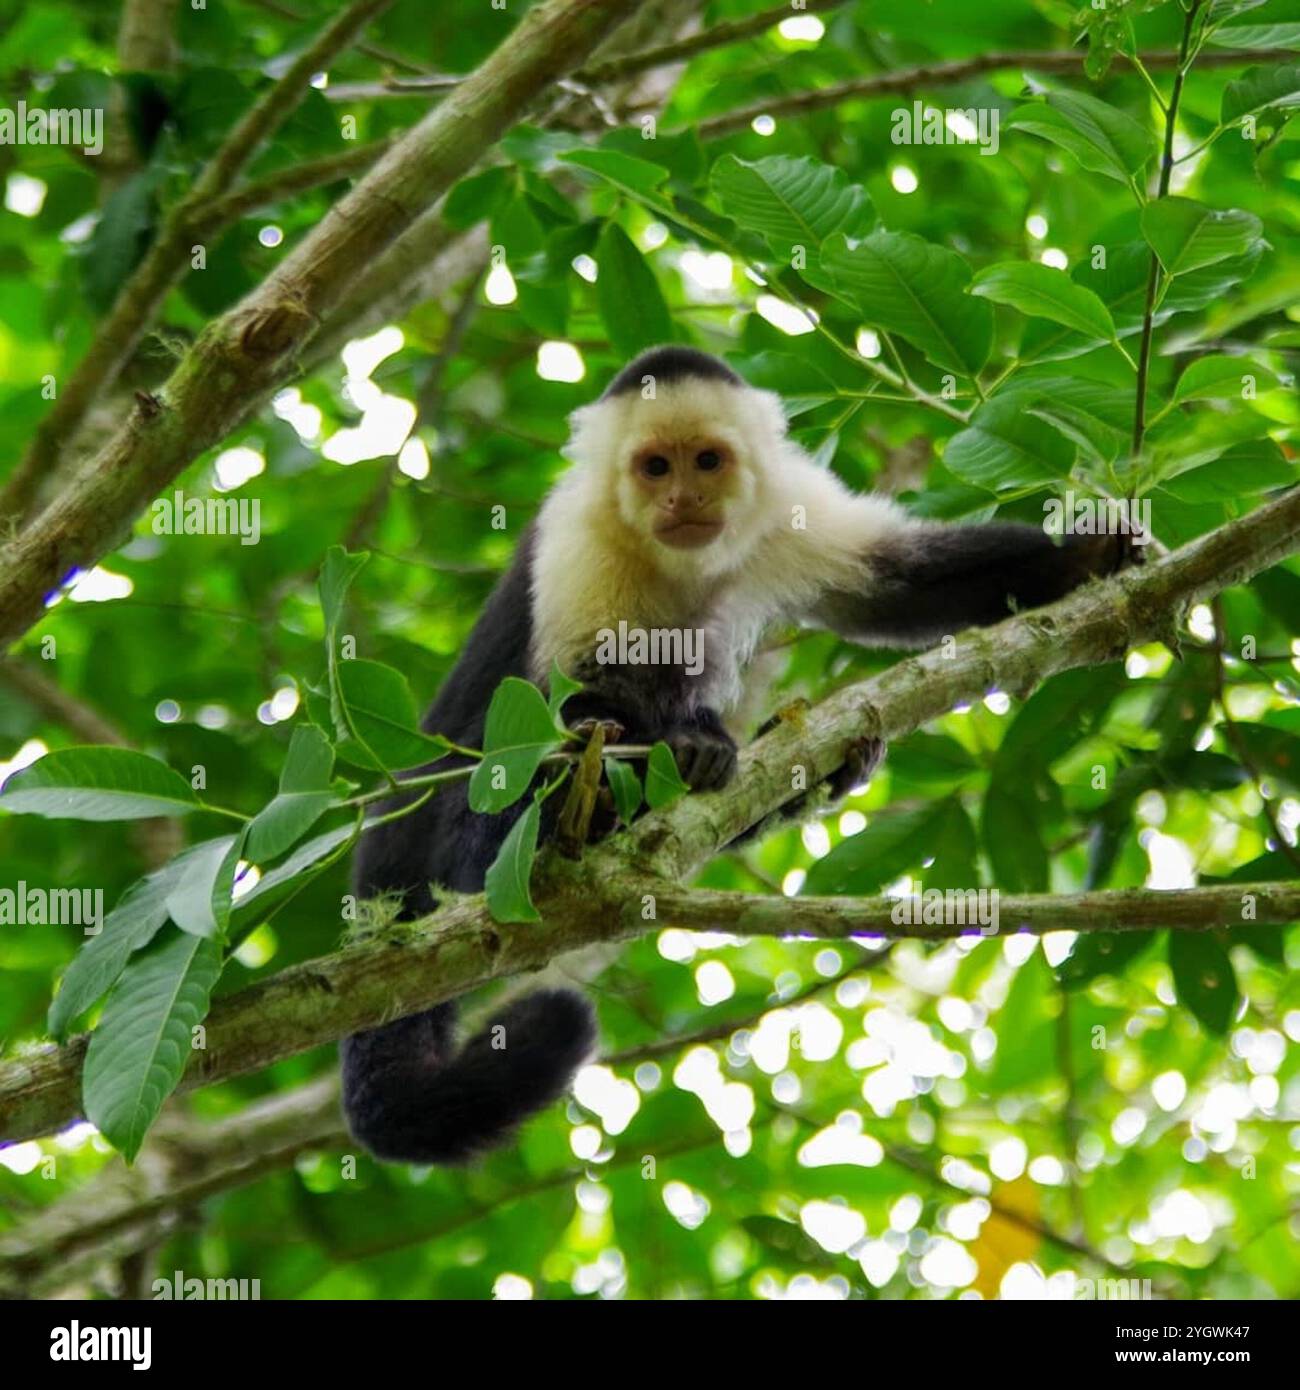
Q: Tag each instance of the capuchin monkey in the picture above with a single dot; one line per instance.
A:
(687, 507)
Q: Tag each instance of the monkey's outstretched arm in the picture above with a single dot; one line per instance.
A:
(935, 579)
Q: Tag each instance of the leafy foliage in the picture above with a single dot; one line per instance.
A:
(961, 330)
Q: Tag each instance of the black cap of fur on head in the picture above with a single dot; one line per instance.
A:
(668, 364)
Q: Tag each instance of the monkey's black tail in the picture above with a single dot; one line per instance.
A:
(411, 1097)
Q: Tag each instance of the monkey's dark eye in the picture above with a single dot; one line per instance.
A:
(655, 467)
(708, 460)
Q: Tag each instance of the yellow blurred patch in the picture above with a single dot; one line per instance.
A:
(1004, 1241)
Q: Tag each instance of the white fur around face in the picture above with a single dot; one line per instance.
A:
(793, 531)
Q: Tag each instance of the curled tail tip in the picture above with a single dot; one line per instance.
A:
(449, 1110)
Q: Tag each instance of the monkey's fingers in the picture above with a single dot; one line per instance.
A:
(586, 728)
(861, 759)
(704, 760)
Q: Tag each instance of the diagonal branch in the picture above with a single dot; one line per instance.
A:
(614, 893)
(254, 346)
(166, 260)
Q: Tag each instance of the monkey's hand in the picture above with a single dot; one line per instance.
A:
(1097, 556)
(861, 759)
(706, 758)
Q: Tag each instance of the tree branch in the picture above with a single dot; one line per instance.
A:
(605, 896)
(165, 261)
(716, 36)
(254, 346)
(1112, 910)
(610, 69)
(287, 183)
(371, 50)
(123, 1210)
(907, 80)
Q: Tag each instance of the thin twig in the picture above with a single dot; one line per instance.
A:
(1153, 274)
(906, 80)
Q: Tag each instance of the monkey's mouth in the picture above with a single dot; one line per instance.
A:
(688, 533)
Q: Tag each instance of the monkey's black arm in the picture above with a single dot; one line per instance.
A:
(937, 579)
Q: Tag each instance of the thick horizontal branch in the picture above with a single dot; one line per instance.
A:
(256, 345)
(1132, 909)
(904, 81)
(612, 894)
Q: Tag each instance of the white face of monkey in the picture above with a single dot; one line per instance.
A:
(687, 471)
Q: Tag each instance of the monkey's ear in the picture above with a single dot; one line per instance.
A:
(588, 433)
(770, 411)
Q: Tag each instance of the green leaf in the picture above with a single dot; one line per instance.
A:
(638, 177)
(631, 303)
(1257, 36)
(1043, 292)
(1100, 953)
(1242, 471)
(199, 900)
(1187, 235)
(303, 862)
(139, 1051)
(1221, 10)
(1058, 714)
(1274, 752)
(377, 719)
(892, 843)
(905, 285)
(1219, 377)
(121, 236)
(506, 882)
(1011, 829)
(663, 782)
(625, 786)
(791, 201)
(930, 759)
(1258, 89)
(1102, 138)
(140, 911)
(98, 784)
(561, 688)
(337, 573)
(519, 732)
(1204, 980)
(1026, 1051)
(476, 198)
(1004, 447)
(304, 796)
(1099, 419)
